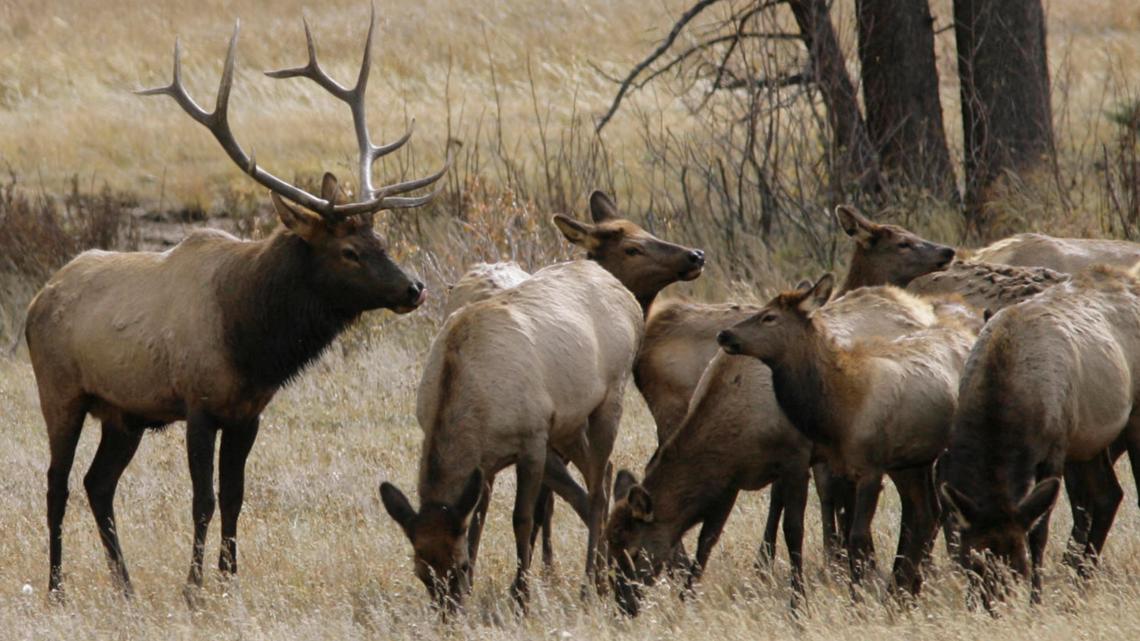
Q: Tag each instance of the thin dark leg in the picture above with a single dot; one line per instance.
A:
(1038, 537)
(529, 475)
(201, 433)
(237, 441)
(64, 436)
(715, 518)
(475, 530)
(916, 531)
(767, 551)
(116, 449)
(860, 549)
(795, 493)
(832, 545)
(1107, 496)
(1080, 501)
(557, 477)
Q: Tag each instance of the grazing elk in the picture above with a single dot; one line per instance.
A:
(479, 282)
(1051, 384)
(536, 369)
(206, 332)
(1066, 255)
(874, 407)
(735, 437)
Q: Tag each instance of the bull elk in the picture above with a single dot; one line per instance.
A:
(208, 331)
(874, 407)
(534, 371)
(1050, 386)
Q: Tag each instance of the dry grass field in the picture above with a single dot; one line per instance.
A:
(320, 558)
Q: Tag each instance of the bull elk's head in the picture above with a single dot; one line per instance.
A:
(353, 268)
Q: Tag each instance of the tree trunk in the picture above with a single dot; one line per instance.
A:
(900, 91)
(830, 73)
(1007, 121)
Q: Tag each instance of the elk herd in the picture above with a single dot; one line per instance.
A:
(975, 383)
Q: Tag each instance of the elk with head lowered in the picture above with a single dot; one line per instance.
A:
(208, 331)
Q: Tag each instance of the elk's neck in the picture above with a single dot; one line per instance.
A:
(861, 274)
(275, 322)
(453, 445)
(810, 382)
(646, 301)
(686, 480)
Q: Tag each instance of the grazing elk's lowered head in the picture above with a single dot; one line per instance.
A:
(993, 537)
(636, 551)
(780, 326)
(888, 254)
(642, 262)
(438, 533)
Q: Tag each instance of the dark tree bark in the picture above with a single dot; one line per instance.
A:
(1007, 120)
(900, 91)
(830, 73)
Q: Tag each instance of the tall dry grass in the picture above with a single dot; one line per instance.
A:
(516, 83)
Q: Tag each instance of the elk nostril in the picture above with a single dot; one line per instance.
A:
(725, 338)
(697, 257)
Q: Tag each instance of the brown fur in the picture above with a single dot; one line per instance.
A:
(205, 332)
(875, 407)
(1050, 385)
(1065, 255)
(537, 368)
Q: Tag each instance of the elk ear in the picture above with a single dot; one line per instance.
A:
(855, 225)
(306, 225)
(961, 507)
(1032, 508)
(640, 503)
(818, 295)
(398, 506)
(330, 189)
(602, 207)
(581, 234)
(803, 286)
(472, 491)
(624, 481)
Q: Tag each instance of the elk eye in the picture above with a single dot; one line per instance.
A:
(905, 245)
(768, 318)
(350, 255)
(633, 251)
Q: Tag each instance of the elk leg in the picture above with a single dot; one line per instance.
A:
(767, 551)
(1080, 501)
(475, 530)
(201, 433)
(917, 527)
(558, 478)
(237, 440)
(116, 449)
(600, 434)
(823, 487)
(1038, 538)
(528, 471)
(64, 428)
(860, 550)
(1106, 495)
(794, 485)
(543, 519)
(714, 520)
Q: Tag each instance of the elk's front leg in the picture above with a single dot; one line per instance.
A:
(201, 434)
(237, 441)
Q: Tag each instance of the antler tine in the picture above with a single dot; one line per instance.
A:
(384, 150)
(217, 122)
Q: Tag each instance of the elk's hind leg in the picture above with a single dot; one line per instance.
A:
(64, 424)
(529, 472)
(117, 447)
(918, 527)
(767, 552)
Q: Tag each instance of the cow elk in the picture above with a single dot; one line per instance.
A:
(1065, 255)
(736, 438)
(208, 331)
(1049, 387)
(535, 370)
(873, 407)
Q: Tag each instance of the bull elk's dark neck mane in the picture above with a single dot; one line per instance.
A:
(799, 379)
(275, 321)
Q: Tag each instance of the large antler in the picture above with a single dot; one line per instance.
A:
(217, 122)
